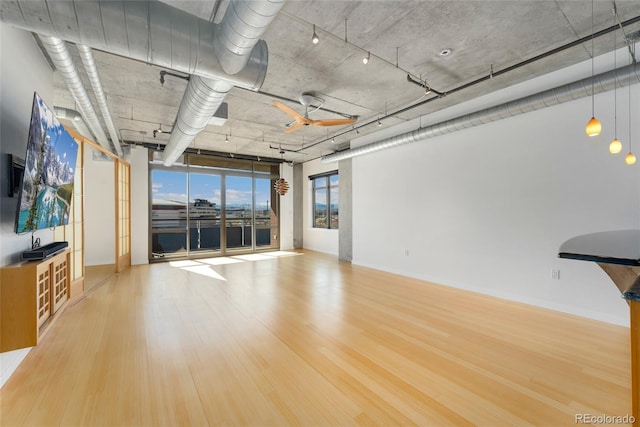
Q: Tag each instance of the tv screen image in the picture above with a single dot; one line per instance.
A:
(50, 163)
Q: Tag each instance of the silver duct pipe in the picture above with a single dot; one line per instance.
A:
(148, 31)
(64, 64)
(242, 26)
(621, 77)
(75, 117)
(200, 102)
(94, 78)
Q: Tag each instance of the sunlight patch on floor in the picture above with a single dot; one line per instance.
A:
(204, 266)
(281, 253)
(252, 257)
(182, 264)
(205, 270)
(220, 261)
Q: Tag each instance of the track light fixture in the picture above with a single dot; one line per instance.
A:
(366, 59)
(159, 130)
(333, 140)
(315, 39)
(379, 123)
(226, 138)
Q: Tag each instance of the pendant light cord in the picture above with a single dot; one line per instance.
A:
(630, 63)
(593, 106)
(615, 77)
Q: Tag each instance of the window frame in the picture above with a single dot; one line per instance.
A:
(224, 172)
(327, 187)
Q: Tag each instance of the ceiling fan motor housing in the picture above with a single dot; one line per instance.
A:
(309, 98)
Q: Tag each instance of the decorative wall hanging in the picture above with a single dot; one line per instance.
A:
(281, 186)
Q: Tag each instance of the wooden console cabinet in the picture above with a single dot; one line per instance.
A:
(31, 293)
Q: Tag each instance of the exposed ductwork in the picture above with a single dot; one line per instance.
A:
(61, 58)
(621, 77)
(243, 24)
(149, 31)
(201, 99)
(74, 116)
(94, 78)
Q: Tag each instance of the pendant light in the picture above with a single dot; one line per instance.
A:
(615, 146)
(593, 126)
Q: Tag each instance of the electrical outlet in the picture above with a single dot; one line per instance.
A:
(555, 274)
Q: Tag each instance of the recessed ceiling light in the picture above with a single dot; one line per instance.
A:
(445, 52)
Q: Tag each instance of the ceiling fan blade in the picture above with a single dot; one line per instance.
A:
(295, 127)
(290, 111)
(332, 122)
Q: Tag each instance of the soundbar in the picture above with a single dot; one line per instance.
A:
(44, 252)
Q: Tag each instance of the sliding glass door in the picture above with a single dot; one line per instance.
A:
(266, 219)
(239, 212)
(168, 213)
(202, 211)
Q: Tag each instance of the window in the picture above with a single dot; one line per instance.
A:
(213, 206)
(325, 200)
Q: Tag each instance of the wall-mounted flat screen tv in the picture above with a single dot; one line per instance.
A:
(50, 163)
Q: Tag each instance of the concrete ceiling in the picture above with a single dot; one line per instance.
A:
(411, 33)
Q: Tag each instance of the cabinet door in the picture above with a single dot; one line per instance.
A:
(43, 291)
(60, 269)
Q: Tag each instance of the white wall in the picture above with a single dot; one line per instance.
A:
(139, 160)
(99, 210)
(316, 239)
(23, 70)
(286, 209)
(486, 209)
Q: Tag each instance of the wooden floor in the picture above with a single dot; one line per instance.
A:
(95, 275)
(306, 340)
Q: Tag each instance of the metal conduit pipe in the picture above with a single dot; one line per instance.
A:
(200, 102)
(64, 64)
(75, 117)
(94, 78)
(243, 24)
(148, 31)
(621, 77)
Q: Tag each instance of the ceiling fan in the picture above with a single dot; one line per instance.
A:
(308, 99)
